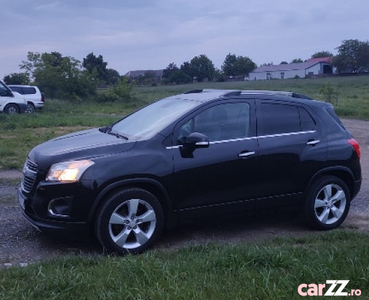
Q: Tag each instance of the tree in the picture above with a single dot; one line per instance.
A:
(172, 67)
(284, 63)
(148, 77)
(92, 63)
(322, 54)
(363, 57)
(202, 67)
(31, 64)
(297, 61)
(237, 65)
(58, 76)
(113, 77)
(187, 68)
(353, 56)
(172, 74)
(17, 78)
(228, 66)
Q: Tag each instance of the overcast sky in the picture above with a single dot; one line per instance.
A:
(150, 34)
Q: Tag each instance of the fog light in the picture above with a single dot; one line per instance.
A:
(59, 207)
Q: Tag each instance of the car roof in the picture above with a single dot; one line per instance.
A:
(204, 95)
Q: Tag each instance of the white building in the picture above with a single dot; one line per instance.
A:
(315, 66)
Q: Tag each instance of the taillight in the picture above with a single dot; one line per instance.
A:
(356, 146)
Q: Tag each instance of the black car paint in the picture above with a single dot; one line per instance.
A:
(214, 179)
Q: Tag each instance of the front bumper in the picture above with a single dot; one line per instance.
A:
(44, 218)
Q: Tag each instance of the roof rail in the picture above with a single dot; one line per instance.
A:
(277, 93)
(222, 92)
(193, 92)
(228, 93)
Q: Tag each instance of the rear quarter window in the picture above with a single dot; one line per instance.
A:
(283, 118)
(332, 113)
(307, 122)
(29, 90)
(277, 119)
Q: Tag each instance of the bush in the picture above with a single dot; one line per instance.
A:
(329, 93)
(120, 92)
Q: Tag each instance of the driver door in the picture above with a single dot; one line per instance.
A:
(223, 175)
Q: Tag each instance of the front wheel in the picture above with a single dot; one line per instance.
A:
(130, 221)
(11, 109)
(327, 204)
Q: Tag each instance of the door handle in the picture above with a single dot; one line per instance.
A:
(313, 142)
(246, 154)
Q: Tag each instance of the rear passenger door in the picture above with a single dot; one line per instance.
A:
(290, 148)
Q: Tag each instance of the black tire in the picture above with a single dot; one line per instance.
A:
(327, 203)
(11, 109)
(30, 108)
(130, 221)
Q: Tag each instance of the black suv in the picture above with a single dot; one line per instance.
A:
(202, 152)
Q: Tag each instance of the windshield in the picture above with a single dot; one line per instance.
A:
(4, 91)
(153, 118)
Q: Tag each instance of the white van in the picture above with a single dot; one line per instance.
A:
(11, 102)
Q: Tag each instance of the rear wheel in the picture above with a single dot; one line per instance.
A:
(130, 221)
(11, 109)
(30, 108)
(327, 203)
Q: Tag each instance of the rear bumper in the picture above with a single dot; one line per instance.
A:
(38, 105)
(356, 189)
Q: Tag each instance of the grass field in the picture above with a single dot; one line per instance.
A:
(20, 133)
(271, 270)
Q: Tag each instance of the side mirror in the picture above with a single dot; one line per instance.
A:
(193, 141)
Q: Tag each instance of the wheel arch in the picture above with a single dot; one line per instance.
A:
(152, 186)
(341, 172)
(11, 103)
(31, 103)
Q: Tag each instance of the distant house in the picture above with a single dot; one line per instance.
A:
(312, 67)
(157, 74)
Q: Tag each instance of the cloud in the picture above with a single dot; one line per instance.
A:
(146, 34)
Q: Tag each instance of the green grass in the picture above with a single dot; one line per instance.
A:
(20, 133)
(271, 270)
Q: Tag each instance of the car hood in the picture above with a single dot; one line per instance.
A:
(79, 145)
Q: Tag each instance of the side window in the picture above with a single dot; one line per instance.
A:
(307, 122)
(221, 122)
(17, 89)
(29, 90)
(278, 118)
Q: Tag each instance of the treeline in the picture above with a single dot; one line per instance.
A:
(66, 77)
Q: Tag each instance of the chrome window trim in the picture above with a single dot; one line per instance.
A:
(250, 138)
(286, 134)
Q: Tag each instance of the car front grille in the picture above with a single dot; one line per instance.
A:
(29, 175)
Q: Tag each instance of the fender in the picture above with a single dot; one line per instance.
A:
(332, 171)
(167, 206)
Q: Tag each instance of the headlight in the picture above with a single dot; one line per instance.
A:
(69, 171)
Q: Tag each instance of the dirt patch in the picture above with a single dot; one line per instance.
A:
(21, 244)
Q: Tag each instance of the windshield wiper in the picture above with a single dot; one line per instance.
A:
(118, 135)
(105, 129)
(108, 130)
